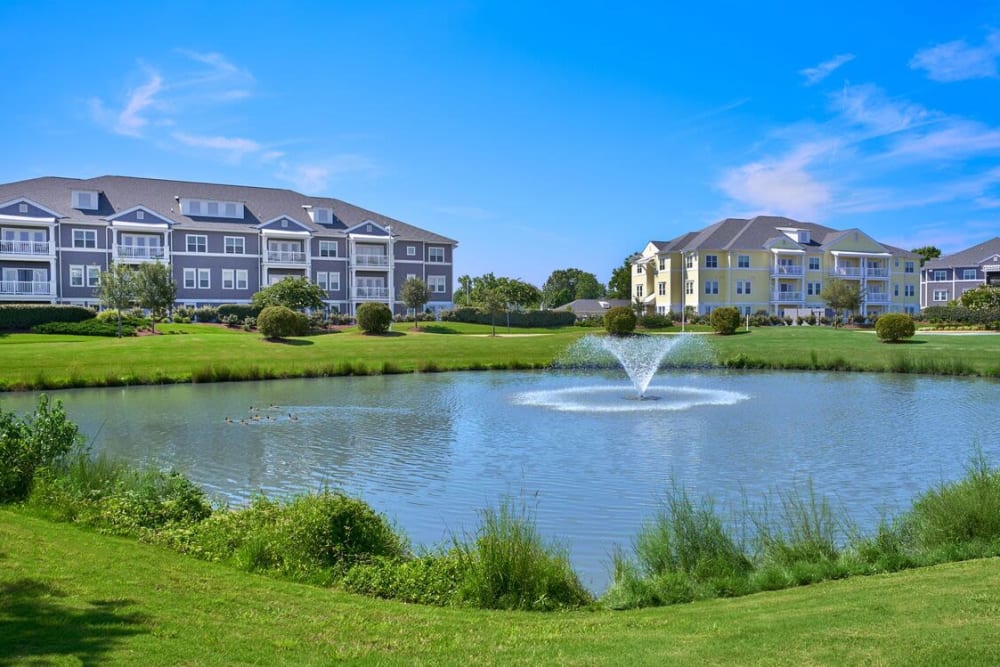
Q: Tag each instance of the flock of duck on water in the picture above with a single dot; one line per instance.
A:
(258, 415)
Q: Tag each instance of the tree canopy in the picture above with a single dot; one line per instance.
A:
(513, 291)
(155, 290)
(296, 293)
(415, 295)
(620, 285)
(842, 295)
(986, 297)
(118, 289)
(566, 285)
(926, 252)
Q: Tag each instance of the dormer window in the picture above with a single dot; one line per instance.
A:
(368, 228)
(321, 215)
(85, 200)
(140, 215)
(212, 208)
(22, 208)
(284, 223)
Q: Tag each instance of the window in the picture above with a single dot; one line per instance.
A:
(689, 262)
(84, 238)
(940, 295)
(743, 287)
(968, 274)
(661, 289)
(814, 289)
(689, 287)
(242, 279)
(435, 255)
(908, 267)
(194, 208)
(743, 261)
(204, 278)
(140, 215)
(909, 290)
(814, 263)
(85, 201)
(411, 251)
(212, 208)
(940, 274)
(711, 261)
(22, 208)
(75, 276)
(93, 275)
(334, 281)
(638, 269)
(436, 284)
(895, 289)
(228, 279)
(711, 287)
(197, 243)
(327, 248)
(638, 291)
(323, 280)
(235, 245)
(190, 278)
(231, 210)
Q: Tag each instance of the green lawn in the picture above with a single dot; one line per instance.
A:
(183, 353)
(72, 596)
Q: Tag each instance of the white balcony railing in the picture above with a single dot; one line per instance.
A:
(877, 297)
(786, 270)
(371, 293)
(26, 288)
(371, 260)
(141, 252)
(25, 248)
(785, 297)
(846, 271)
(286, 257)
(877, 272)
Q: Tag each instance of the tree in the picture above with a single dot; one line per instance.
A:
(519, 293)
(515, 291)
(415, 295)
(566, 285)
(155, 289)
(986, 297)
(117, 289)
(493, 301)
(842, 296)
(464, 295)
(620, 321)
(926, 253)
(374, 318)
(295, 293)
(725, 320)
(620, 285)
(276, 322)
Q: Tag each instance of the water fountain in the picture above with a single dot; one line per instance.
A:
(639, 356)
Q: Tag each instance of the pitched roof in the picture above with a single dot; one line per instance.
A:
(968, 257)
(119, 193)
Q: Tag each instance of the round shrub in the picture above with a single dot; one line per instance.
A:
(894, 327)
(620, 321)
(374, 318)
(279, 322)
(725, 321)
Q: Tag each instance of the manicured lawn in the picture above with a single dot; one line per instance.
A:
(183, 353)
(71, 596)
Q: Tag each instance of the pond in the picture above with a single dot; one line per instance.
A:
(432, 450)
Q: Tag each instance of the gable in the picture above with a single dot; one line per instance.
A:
(368, 228)
(141, 215)
(855, 240)
(284, 223)
(23, 207)
(783, 243)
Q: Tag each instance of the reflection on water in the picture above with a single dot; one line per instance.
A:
(431, 451)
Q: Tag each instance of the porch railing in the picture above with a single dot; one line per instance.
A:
(25, 248)
(140, 252)
(26, 287)
(286, 257)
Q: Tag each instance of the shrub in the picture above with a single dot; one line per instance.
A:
(656, 321)
(21, 317)
(249, 323)
(231, 321)
(240, 310)
(129, 318)
(529, 319)
(374, 318)
(280, 322)
(894, 327)
(92, 327)
(620, 321)
(725, 320)
(430, 579)
(206, 314)
(30, 444)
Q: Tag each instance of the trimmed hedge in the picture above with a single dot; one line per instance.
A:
(985, 317)
(240, 310)
(894, 327)
(22, 316)
(88, 328)
(529, 319)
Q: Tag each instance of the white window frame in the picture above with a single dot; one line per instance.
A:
(228, 278)
(743, 287)
(940, 275)
(689, 287)
(234, 245)
(966, 274)
(411, 251)
(940, 295)
(437, 284)
(76, 275)
(743, 261)
(190, 278)
(334, 278)
(93, 273)
(323, 280)
(711, 287)
(325, 248)
(85, 238)
(909, 290)
(814, 264)
(638, 291)
(689, 261)
(196, 243)
(432, 254)
(661, 288)
(204, 278)
(908, 267)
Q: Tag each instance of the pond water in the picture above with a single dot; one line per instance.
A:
(432, 450)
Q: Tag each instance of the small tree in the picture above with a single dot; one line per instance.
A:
(725, 321)
(290, 292)
(926, 253)
(894, 327)
(494, 302)
(31, 443)
(155, 289)
(415, 295)
(280, 322)
(620, 321)
(842, 296)
(374, 318)
(117, 289)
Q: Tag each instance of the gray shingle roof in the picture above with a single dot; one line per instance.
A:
(119, 193)
(969, 257)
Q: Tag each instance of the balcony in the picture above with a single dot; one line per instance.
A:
(371, 293)
(875, 272)
(786, 297)
(371, 260)
(786, 270)
(26, 288)
(33, 248)
(877, 297)
(286, 257)
(846, 271)
(140, 253)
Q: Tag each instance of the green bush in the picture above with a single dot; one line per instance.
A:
(374, 318)
(620, 321)
(430, 579)
(28, 445)
(894, 327)
(240, 310)
(725, 320)
(656, 321)
(21, 317)
(92, 327)
(529, 319)
(280, 322)
(206, 314)
(129, 318)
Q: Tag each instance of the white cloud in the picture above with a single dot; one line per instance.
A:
(130, 121)
(868, 107)
(956, 139)
(316, 177)
(234, 147)
(958, 61)
(782, 186)
(816, 74)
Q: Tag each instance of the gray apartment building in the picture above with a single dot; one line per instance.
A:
(946, 278)
(221, 242)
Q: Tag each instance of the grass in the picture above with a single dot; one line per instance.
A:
(69, 595)
(204, 353)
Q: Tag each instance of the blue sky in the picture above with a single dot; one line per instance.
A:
(541, 136)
